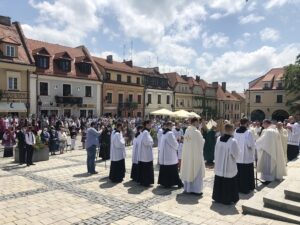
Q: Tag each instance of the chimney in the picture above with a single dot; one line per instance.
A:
(224, 86)
(215, 84)
(156, 69)
(128, 63)
(185, 77)
(109, 59)
(5, 20)
(197, 78)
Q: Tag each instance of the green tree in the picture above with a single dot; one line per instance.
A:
(292, 84)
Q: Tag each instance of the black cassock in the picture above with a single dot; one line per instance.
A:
(105, 145)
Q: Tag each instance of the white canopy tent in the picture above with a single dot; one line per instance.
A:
(193, 114)
(12, 107)
(162, 112)
(181, 114)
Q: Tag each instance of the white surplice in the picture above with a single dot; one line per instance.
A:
(168, 151)
(145, 147)
(271, 163)
(246, 145)
(226, 154)
(193, 167)
(118, 147)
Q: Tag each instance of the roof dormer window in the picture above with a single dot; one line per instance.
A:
(64, 65)
(83, 64)
(10, 51)
(42, 62)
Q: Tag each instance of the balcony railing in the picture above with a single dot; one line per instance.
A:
(14, 94)
(68, 100)
(128, 106)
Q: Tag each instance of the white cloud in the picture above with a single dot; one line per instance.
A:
(275, 3)
(251, 18)
(217, 40)
(269, 34)
(216, 16)
(228, 6)
(238, 68)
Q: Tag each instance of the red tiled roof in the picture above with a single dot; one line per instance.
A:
(56, 50)
(225, 96)
(10, 34)
(175, 78)
(275, 74)
(115, 66)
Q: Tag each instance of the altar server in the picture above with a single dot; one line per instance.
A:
(117, 156)
(135, 156)
(226, 188)
(245, 166)
(145, 151)
(168, 159)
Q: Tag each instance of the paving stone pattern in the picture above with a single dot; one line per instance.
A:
(59, 191)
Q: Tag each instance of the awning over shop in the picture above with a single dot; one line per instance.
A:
(12, 107)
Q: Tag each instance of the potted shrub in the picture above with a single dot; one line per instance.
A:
(40, 153)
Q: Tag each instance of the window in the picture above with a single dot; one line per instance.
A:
(168, 99)
(42, 62)
(66, 90)
(119, 78)
(109, 98)
(85, 68)
(83, 113)
(149, 99)
(107, 76)
(43, 88)
(128, 79)
(266, 85)
(139, 114)
(88, 91)
(139, 99)
(158, 99)
(130, 98)
(12, 83)
(10, 51)
(64, 65)
(120, 98)
(138, 80)
(257, 99)
(279, 85)
(279, 98)
(177, 103)
(90, 112)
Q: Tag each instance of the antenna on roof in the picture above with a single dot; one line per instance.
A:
(124, 49)
(131, 49)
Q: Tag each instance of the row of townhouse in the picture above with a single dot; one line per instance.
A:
(42, 78)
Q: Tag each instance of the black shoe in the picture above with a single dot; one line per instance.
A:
(266, 182)
(180, 185)
(28, 165)
(96, 172)
(32, 164)
(198, 194)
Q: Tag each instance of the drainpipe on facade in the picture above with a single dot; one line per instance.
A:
(37, 98)
(28, 93)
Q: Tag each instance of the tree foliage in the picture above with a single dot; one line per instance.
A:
(292, 84)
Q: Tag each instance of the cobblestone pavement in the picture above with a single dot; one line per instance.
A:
(59, 191)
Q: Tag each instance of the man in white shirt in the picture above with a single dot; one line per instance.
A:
(245, 160)
(226, 188)
(178, 132)
(145, 152)
(168, 159)
(135, 162)
(117, 156)
(293, 138)
(30, 142)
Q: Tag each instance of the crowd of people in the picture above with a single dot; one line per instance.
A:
(184, 149)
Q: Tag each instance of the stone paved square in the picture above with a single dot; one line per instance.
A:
(59, 191)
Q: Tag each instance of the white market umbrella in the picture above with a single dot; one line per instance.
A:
(211, 124)
(181, 114)
(162, 112)
(193, 114)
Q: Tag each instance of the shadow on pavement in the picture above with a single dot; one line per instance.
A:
(224, 209)
(82, 175)
(162, 191)
(187, 199)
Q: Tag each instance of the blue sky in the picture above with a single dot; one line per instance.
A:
(220, 40)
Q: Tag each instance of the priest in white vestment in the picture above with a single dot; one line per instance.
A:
(168, 159)
(271, 163)
(117, 156)
(192, 165)
(226, 188)
(284, 138)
